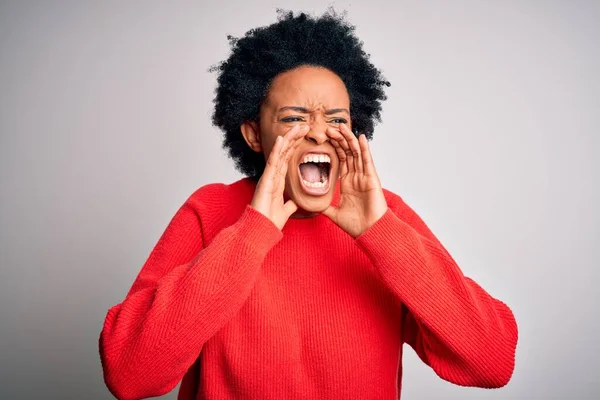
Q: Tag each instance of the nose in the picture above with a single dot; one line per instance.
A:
(317, 133)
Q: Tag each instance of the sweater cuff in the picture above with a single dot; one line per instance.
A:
(258, 230)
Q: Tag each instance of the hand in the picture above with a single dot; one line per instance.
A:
(268, 197)
(362, 201)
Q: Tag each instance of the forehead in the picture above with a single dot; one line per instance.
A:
(308, 87)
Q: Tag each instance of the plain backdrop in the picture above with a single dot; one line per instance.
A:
(490, 132)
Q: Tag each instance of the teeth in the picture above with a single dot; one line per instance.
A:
(314, 184)
(316, 158)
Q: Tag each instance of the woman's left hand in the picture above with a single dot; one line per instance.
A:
(362, 202)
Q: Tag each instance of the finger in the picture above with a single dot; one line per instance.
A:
(354, 147)
(287, 140)
(285, 161)
(331, 212)
(358, 159)
(273, 160)
(343, 159)
(344, 144)
(340, 152)
(334, 134)
(289, 208)
(272, 170)
(292, 139)
(282, 169)
(297, 139)
(350, 160)
(337, 138)
(297, 132)
(336, 141)
(367, 158)
(347, 133)
(294, 136)
(281, 154)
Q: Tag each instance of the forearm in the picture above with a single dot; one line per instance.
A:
(152, 337)
(469, 337)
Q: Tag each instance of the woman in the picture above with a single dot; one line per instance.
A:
(303, 280)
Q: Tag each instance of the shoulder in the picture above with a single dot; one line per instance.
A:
(406, 213)
(207, 194)
(219, 195)
(217, 205)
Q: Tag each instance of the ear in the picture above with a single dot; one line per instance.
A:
(251, 133)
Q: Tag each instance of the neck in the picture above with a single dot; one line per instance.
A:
(300, 213)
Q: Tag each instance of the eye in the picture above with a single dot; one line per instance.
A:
(292, 119)
(338, 121)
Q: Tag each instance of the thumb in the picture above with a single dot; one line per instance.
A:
(331, 212)
(289, 208)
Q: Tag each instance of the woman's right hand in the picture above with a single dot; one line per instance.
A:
(268, 197)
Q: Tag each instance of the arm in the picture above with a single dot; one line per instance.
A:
(183, 295)
(464, 334)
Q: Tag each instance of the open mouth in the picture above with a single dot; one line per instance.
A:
(314, 173)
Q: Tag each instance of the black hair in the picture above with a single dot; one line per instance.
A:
(263, 53)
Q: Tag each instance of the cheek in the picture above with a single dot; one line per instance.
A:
(270, 134)
(270, 131)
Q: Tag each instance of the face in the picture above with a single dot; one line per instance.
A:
(309, 96)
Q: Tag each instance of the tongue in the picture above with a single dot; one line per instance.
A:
(310, 172)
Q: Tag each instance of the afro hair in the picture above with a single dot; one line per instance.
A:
(263, 53)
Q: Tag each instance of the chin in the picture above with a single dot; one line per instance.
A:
(312, 205)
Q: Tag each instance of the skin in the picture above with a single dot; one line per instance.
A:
(308, 109)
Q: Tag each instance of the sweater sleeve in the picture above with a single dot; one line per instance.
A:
(183, 295)
(466, 336)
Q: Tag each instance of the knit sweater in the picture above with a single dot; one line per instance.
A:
(234, 308)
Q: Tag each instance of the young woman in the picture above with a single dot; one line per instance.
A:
(304, 279)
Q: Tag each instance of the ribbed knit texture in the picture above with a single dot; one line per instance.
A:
(241, 310)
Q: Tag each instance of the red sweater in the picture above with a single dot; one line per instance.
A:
(241, 310)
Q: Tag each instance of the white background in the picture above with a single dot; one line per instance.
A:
(490, 133)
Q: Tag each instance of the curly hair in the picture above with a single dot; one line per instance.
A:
(263, 53)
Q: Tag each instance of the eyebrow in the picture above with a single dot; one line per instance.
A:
(304, 110)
